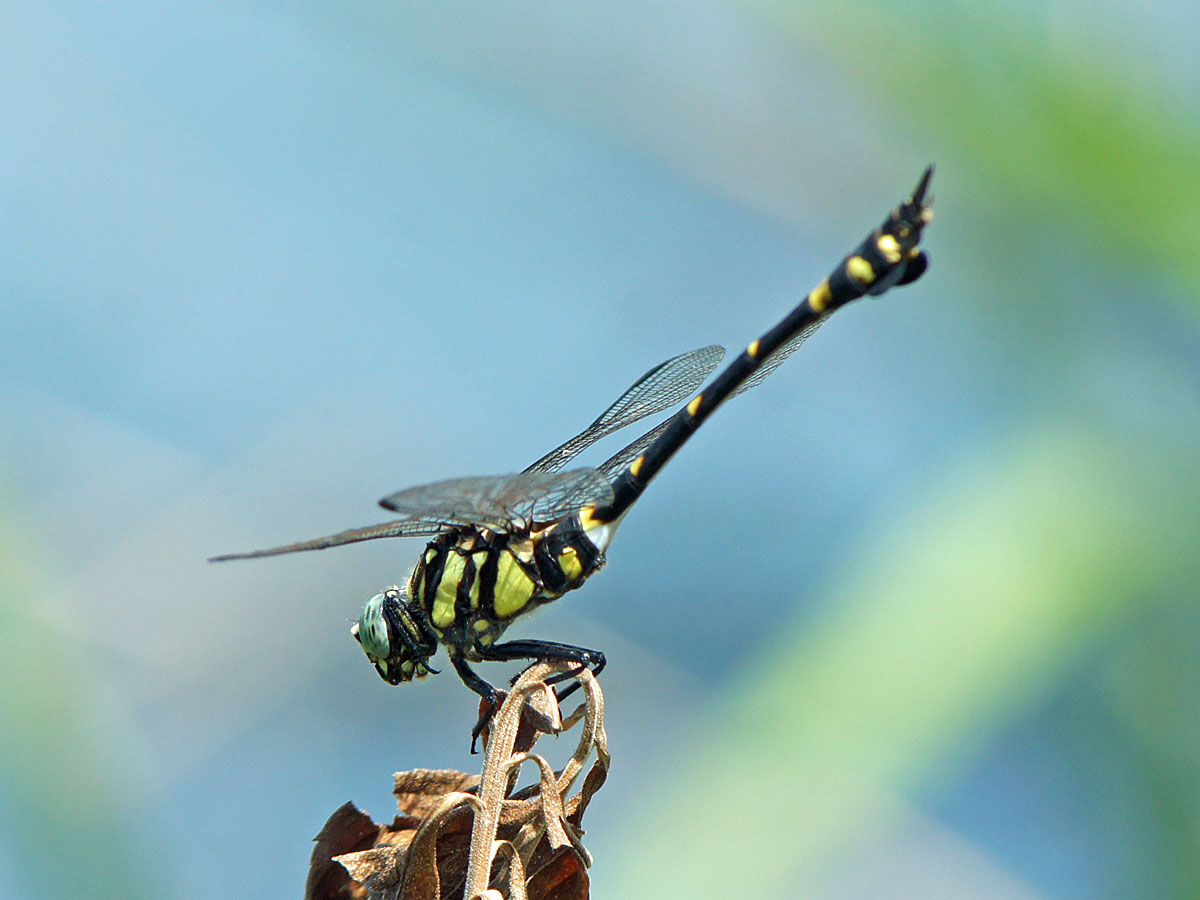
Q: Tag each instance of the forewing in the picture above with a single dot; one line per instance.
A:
(662, 387)
(574, 490)
(502, 501)
(412, 527)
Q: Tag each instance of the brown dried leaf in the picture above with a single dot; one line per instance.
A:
(377, 869)
(592, 782)
(428, 850)
(349, 829)
(419, 790)
(437, 858)
(558, 875)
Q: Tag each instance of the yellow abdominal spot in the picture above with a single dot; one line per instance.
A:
(889, 248)
(820, 296)
(447, 592)
(860, 270)
(587, 518)
(636, 466)
(514, 588)
(695, 404)
(752, 350)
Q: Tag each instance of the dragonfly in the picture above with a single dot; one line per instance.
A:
(504, 545)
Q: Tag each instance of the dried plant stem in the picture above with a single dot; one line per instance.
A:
(453, 826)
(501, 764)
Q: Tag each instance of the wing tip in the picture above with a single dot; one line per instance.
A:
(226, 557)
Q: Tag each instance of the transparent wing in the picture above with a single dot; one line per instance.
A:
(542, 493)
(413, 527)
(499, 502)
(662, 387)
(495, 502)
(775, 360)
(579, 488)
(613, 466)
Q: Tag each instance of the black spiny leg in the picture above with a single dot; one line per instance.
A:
(552, 652)
(535, 650)
(489, 694)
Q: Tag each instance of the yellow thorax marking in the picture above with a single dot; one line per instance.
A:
(447, 592)
(479, 558)
(860, 270)
(514, 587)
(569, 562)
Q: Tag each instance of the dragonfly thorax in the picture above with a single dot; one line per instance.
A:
(465, 590)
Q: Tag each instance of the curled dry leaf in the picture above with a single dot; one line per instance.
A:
(472, 835)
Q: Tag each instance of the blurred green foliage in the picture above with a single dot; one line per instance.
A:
(1076, 129)
(1043, 551)
(67, 822)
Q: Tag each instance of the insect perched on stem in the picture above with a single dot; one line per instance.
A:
(506, 544)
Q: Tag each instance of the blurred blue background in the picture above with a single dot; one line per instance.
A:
(916, 618)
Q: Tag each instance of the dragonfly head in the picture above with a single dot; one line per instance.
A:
(396, 642)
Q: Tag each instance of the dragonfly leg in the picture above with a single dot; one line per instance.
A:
(597, 667)
(489, 694)
(549, 650)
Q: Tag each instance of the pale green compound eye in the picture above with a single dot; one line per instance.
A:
(371, 629)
